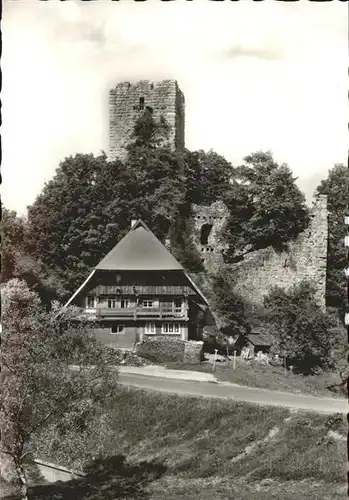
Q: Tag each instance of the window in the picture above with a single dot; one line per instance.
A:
(124, 303)
(141, 103)
(91, 302)
(112, 303)
(205, 233)
(117, 329)
(173, 328)
(147, 303)
(150, 328)
(177, 303)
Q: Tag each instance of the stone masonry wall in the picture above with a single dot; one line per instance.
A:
(211, 250)
(128, 101)
(261, 270)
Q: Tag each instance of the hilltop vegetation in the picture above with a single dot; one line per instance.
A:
(89, 203)
(336, 187)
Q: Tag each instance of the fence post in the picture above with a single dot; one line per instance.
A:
(285, 365)
(214, 360)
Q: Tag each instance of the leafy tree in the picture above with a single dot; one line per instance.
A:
(76, 218)
(152, 185)
(39, 386)
(89, 204)
(300, 327)
(208, 176)
(336, 187)
(18, 261)
(148, 133)
(181, 242)
(13, 240)
(228, 306)
(266, 206)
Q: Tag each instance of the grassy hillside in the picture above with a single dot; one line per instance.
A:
(158, 446)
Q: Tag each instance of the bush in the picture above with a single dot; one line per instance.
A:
(126, 358)
(228, 305)
(217, 341)
(162, 350)
(334, 422)
(300, 327)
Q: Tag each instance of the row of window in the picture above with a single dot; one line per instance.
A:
(150, 328)
(204, 217)
(117, 303)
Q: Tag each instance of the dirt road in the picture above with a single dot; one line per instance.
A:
(239, 393)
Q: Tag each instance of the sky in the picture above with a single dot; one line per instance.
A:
(256, 76)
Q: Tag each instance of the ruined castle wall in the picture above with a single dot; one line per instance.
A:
(211, 250)
(128, 101)
(306, 258)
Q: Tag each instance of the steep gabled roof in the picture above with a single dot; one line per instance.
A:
(262, 339)
(139, 250)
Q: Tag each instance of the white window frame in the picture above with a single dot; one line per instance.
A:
(177, 309)
(94, 302)
(112, 303)
(120, 327)
(124, 301)
(150, 328)
(171, 328)
(148, 303)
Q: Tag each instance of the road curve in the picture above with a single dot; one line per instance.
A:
(224, 390)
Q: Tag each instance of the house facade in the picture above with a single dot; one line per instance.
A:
(140, 290)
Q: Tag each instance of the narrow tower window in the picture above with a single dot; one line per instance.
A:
(141, 103)
(205, 233)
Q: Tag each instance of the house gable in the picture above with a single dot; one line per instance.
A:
(139, 251)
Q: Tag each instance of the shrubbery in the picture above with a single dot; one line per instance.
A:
(162, 350)
(300, 327)
(120, 357)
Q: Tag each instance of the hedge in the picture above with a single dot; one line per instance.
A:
(162, 350)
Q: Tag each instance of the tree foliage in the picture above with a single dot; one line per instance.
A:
(300, 327)
(336, 187)
(13, 240)
(266, 206)
(89, 204)
(18, 261)
(181, 240)
(228, 306)
(208, 176)
(148, 133)
(38, 385)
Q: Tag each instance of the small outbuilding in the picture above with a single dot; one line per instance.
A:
(257, 341)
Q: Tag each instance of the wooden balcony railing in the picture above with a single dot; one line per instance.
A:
(136, 312)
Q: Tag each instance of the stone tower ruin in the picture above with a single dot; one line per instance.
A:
(305, 257)
(128, 101)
